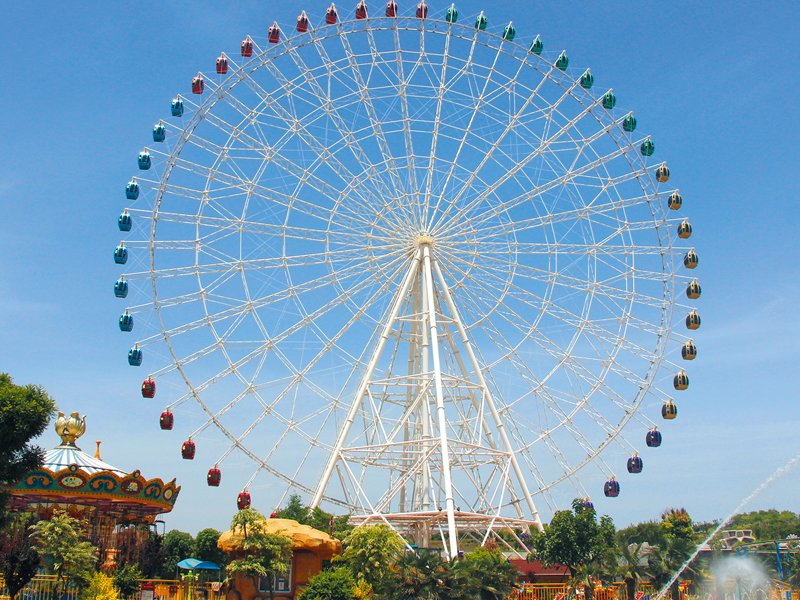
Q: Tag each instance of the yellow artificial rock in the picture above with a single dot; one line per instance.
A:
(303, 537)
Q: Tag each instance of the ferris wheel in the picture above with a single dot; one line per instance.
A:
(412, 267)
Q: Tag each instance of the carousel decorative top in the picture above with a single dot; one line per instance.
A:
(73, 477)
(70, 429)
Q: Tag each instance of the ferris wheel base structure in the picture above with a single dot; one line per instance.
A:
(474, 528)
(426, 416)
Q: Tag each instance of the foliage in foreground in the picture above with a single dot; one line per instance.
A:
(335, 584)
(126, 580)
(371, 552)
(19, 559)
(263, 554)
(99, 587)
(175, 546)
(579, 541)
(415, 575)
(62, 544)
(25, 411)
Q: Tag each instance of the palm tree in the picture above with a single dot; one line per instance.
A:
(632, 565)
(421, 575)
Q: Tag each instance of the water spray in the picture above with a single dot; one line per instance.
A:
(780, 472)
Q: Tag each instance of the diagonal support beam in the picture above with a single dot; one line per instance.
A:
(441, 414)
(362, 387)
(501, 430)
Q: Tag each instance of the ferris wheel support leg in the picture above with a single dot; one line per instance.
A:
(362, 388)
(501, 430)
(440, 409)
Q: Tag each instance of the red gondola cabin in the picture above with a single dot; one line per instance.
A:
(214, 477)
(302, 22)
(331, 15)
(391, 8)
(422, 10)
(222, 64)
(361, 10)
(274, 33)
(198, 84)
(187, 450)
(166, 421)
(247, 47)
(243, 500)
(148, 388)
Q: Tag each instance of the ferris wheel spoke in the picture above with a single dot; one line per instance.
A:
(230, 264)
(593, 327)
(437, 120)
(295, 127)
(541, 391)
(580, 322)
(325, 103)
(273, 151)
(375, 121)
(243, 308)
(303, 374)
(570, 175)
(477, 104)
(256, 304)
(545, 144)
(289, 202)
(522, 225)
(271, 154)
(480, 217)
(304, 233)
(405, 115)
(513, 121)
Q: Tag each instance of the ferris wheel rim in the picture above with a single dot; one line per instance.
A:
(338, 30)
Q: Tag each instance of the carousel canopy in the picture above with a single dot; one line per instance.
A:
(73, 479)
(62, 457)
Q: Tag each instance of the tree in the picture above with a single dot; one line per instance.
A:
(62, 544)
(649, 531)
(126, 580)
(316, 518)
(25, 411)
(265, 554)
(578, 541)
(99, 587)
(768, 524)
(675, 549)
(176, 546)
(295, 510)
(633, 565)
(18, 557)
(205, 546)
(792, 569)
(371, 551)
(483, 574)
(335, 584)
(419, 575)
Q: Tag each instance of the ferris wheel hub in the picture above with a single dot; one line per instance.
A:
(424, 239)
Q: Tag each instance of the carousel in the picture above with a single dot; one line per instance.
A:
(118, 508)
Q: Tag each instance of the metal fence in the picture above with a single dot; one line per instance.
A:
(41, 587)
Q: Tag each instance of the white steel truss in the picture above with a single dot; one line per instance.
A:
(426, 423)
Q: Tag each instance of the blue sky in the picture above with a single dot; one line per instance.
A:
(715, 84)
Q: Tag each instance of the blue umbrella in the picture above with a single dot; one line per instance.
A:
(194, 563)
